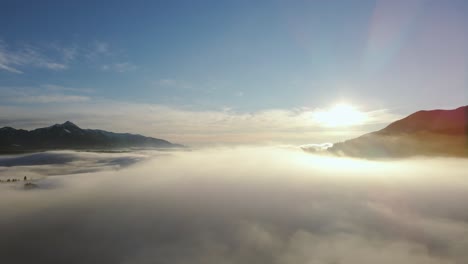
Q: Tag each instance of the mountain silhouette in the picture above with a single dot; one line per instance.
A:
(70, 136)
(424, 133)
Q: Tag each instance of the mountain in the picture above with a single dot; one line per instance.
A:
(70, 136)
(424, 133)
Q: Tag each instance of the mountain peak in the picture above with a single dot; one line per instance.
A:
(69, 136)
(69, 124)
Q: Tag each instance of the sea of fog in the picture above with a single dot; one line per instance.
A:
(232, 205)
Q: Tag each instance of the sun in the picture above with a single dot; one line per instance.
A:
(340, 115)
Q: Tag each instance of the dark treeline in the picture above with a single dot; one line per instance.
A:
(13, 180)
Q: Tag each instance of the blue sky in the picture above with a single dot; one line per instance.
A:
(234, 57)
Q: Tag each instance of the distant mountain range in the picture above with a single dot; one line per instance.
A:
(425, 133)
(70, 136)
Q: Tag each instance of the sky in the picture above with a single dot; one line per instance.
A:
(197, 72)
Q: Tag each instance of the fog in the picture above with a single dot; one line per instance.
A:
(232, 205)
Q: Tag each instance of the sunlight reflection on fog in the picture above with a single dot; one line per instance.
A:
(242, 205)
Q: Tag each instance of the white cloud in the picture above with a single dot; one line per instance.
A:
(235, 205)
(316, 147)
(5, 67)
(55, 66)
(26, 56)
(294, 126)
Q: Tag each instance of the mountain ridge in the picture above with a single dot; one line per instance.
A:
(423, 133)
(70, 136)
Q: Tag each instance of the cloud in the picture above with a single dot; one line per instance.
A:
(5, 67)
(43, 94)
(316, 147)
(187, 126)
(55, 66)
(101, 47)
(59, 57)
(26, 56)
(52, 98)
(119, 67)
(97, 49)
(106, 58)
(244, 205)
(172, 83)
(54, 87)
(39, 165)
(69, 53)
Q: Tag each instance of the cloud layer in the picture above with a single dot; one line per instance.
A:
(179, 124)
(243, 205)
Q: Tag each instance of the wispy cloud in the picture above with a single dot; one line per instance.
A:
(4, 66)
(52, 98)
(97, 49)
(69, 53)
(12, 60)
(52, 56)
(169, 83)
(54, 87)
(43, 94)
(54, 66)
(101, 47)
(119, 67)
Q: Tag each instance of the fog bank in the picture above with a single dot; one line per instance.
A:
(239, 205)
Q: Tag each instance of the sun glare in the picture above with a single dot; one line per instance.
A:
(339, 116)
